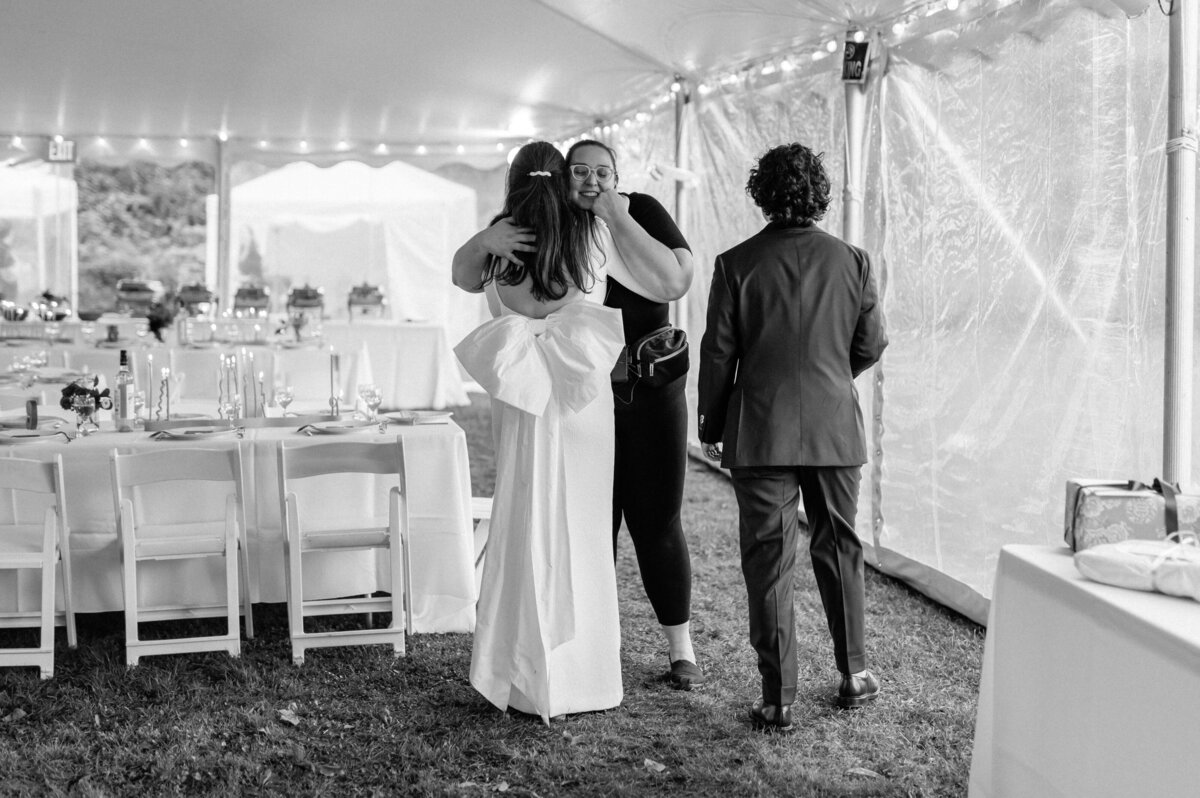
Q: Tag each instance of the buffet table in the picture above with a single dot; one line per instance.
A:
(411, 362)
(1087, 689)
(439, 510)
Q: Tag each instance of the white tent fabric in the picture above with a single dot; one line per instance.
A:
(395, 226)
(1014, 197)
(39, 205)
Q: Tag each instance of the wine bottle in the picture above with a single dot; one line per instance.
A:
(123, 400)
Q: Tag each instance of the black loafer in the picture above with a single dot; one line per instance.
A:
(770, 717)
(857, 691)
(685, 674)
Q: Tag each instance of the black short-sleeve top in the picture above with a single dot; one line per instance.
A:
(641, 315)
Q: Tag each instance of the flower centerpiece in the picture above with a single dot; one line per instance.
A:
(83, 389)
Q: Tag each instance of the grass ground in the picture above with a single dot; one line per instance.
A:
(356, 722)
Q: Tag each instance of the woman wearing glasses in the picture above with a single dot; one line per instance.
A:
(651, 266)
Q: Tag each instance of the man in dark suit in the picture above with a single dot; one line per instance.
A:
(793, 317)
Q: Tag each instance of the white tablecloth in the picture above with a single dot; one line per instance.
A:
(1087, 690)
(439, 510)
(412, 362)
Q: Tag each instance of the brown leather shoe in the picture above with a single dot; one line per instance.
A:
(684, 675)
(857, 691)
(770, 717)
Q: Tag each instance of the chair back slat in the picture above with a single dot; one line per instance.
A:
(173, 463)
(34, 476)
(342, 457)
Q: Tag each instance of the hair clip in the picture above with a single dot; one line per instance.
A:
(539, 174)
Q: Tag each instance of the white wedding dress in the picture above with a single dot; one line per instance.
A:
(547, 635)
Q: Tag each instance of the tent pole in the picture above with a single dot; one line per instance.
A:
(856, 173)
(224, 287)
(1181, 241)
(683, 98)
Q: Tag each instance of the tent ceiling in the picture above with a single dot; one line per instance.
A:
(468, 72)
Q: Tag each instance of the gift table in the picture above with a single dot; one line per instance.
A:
(439, 512)
(1087, 689)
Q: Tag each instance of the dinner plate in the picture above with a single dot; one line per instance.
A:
(194, 433)
(420, 416)
(57, 374)
(18, 422)
(337, 427)
(33, 436)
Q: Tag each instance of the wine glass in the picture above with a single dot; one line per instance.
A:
(371, 397)
(284, 395)
(139, 404)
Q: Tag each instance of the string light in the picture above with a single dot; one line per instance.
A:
(860, 36)
(422, 149)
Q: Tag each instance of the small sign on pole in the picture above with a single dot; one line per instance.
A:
(854, 64)
(60, 151)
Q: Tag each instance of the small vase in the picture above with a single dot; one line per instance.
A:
(85, 415)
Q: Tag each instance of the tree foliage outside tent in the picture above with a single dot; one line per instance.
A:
(140, 220)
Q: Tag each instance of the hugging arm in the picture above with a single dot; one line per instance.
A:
(663, 273)
(502, 240)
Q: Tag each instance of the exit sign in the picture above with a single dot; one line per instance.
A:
(61, 151)
(854, 64)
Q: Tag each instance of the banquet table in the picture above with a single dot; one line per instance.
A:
(1087, 689)
(442, 554)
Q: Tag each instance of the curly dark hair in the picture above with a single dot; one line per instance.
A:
(536, 197)
(790, 184)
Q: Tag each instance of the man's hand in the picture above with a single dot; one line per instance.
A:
(712, 451)
(609, 205)
(504, 240)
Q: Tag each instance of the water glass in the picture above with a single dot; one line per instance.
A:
(371, 397)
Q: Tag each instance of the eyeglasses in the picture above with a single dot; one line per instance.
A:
(581, 172)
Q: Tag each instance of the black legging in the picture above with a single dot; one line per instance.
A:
(648, 492)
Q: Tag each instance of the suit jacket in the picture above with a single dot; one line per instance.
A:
(793, 318)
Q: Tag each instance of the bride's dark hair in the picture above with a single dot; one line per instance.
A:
(536, 197)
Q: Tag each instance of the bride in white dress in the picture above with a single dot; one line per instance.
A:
(547, 637)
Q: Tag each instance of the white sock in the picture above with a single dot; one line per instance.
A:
(860, 674)
(679, 641)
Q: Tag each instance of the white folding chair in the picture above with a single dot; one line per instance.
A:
(383, 464)
(481, 514)
(37, 547)
(148, 489)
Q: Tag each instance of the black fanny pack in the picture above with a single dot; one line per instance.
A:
(655, 359)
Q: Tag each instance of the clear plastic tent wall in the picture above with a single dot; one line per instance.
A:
(1015, 210)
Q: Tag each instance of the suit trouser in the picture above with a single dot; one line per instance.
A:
(769, 531)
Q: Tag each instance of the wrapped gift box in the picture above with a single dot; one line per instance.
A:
(1109, 511)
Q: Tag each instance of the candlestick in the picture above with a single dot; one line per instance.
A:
(262, 392)
(149, 375)
(334, 410)
(164, 393)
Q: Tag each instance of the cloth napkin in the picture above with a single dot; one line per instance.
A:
(1170, 566)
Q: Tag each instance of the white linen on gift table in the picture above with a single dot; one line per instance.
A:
(439, 506)
(1087, 689)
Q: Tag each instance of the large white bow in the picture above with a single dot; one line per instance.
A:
(565, 357)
